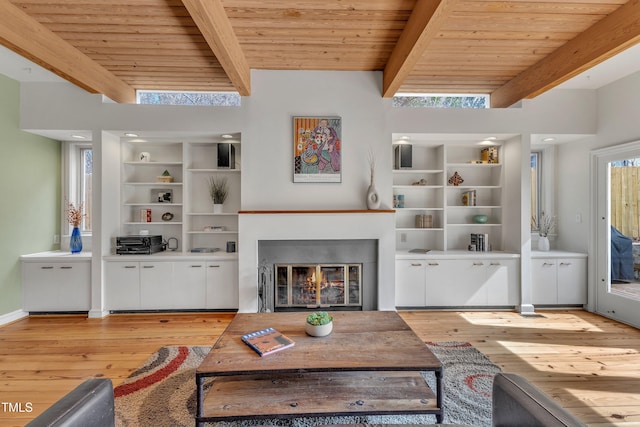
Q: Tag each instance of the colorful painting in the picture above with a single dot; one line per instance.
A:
(317, 151)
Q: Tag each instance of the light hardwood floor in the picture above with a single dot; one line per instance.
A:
(589, 364)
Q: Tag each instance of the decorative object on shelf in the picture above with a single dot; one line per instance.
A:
(373, 198)
(145, 215)
(544, 226)
(319, 324)
(489, 155)
(172, 244)
(165, 177)
(167, 216)
(161, 195)
(398, 201)
(455, 179)
(469, 198)
(144, 156)
(420, 182)
(317, 151)
(480, 219)
(424, 221)
(231, 247)
(218, 191)
(480, 242)
(74, 217)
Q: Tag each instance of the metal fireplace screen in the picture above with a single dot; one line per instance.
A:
(318, 285)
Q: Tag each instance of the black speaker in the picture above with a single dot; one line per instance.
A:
(226, 156)
(403, 156)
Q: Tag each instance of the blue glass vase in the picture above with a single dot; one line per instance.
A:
(75, 243)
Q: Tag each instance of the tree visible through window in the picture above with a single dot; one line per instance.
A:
(442, 101)
(219, 99)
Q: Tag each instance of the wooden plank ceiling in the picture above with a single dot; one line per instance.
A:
(512, 49)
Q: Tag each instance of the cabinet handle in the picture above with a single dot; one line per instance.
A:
(416, 264)
(565, 263)
(494, 263)
(66, 267)
(129, 266)
(196, 266)
(548, 263)
(478, 264)
(148, 266)
(214, 266)
(434, 264)
(48, 267)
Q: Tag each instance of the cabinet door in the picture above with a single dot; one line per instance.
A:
(222, 285)
(189, 284)
(122, 283)
(74, 286)
(502, 282)
(544, 281)
(454, 283)
(411, 283)
(572, 281)
(37, 291)
(439, 281)
(156, 285)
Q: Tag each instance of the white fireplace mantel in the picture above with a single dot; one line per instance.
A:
(256, 226)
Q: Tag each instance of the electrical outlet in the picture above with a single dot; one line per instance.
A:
(403, 237)
(56, 239)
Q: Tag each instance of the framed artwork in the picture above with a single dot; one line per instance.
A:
(161, 195)
(317, 149)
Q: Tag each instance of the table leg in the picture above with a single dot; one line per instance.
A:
(199, 400)
(439, 374)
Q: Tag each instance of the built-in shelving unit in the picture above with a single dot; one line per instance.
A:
(426, 191)
(181, 208)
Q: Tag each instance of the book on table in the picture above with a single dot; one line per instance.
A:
(267, 341)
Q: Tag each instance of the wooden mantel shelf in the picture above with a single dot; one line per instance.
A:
(314, 211)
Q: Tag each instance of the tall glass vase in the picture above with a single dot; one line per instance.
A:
(75, 243)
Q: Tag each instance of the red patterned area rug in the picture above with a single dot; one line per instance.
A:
(162, 391)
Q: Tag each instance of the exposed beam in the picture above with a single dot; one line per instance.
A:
(603, 40)
(424, 23)
(27, 37)
(213, 22)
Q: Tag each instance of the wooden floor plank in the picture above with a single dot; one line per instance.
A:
(588, 363)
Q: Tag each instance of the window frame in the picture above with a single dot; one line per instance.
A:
(73, 184)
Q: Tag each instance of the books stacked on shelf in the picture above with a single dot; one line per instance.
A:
(267, 341)
(479, 242)
(469, 198)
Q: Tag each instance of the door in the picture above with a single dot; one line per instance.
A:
(616, 214)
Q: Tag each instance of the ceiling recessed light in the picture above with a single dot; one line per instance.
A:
(548, 139)
(131, 134)
(78, 136)
(491, 138)
(227, 136)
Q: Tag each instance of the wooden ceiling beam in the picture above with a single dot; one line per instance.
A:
(27, 37)
(213, 22)
(603, 40)
(423, 26)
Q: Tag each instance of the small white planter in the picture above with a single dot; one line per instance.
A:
(217, 208)
(318, 331)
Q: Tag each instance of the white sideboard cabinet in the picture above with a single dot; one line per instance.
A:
(163, 284)
(559, 278)
(457, 279)
(56, 282)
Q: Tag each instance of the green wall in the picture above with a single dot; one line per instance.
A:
(29, 195)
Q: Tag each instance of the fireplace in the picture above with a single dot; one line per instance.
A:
(318, 286)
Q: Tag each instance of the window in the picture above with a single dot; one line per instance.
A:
(79, 180)
(219, 99)
(536, 180)
(441, 101)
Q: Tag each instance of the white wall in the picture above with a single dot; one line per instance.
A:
(265, 121)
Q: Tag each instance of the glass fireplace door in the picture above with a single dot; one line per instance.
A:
(318, 285)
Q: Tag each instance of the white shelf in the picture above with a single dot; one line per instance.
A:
(214, 232)
(214, 170)
(153, 223)
(419, 229)
(153, 163)
(156, 184)
(153, 204)
(418, 171)
(418, 187)
(211, 214)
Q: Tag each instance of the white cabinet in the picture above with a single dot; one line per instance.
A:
(51, 286)
(122, 285)
(189, 284)
(424, 190)
(448, 282)
(559, 278)
(222, 285)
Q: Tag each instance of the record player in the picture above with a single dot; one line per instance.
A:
(139, 245)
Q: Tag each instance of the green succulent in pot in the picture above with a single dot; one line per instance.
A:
(319, 318)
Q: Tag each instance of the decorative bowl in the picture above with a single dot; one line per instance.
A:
(318, 331)
(480, 219)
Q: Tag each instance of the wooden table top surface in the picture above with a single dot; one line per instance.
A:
(360, 341)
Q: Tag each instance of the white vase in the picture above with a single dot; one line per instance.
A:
(543, 243)
(373, 198)
(217, 208)
(318, 331)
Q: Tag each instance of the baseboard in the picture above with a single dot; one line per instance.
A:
(97, 314)
(12, 317)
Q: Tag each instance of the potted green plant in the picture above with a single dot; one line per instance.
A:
(319, 324)
(218, 190)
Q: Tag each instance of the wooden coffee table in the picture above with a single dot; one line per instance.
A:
(369, 365)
